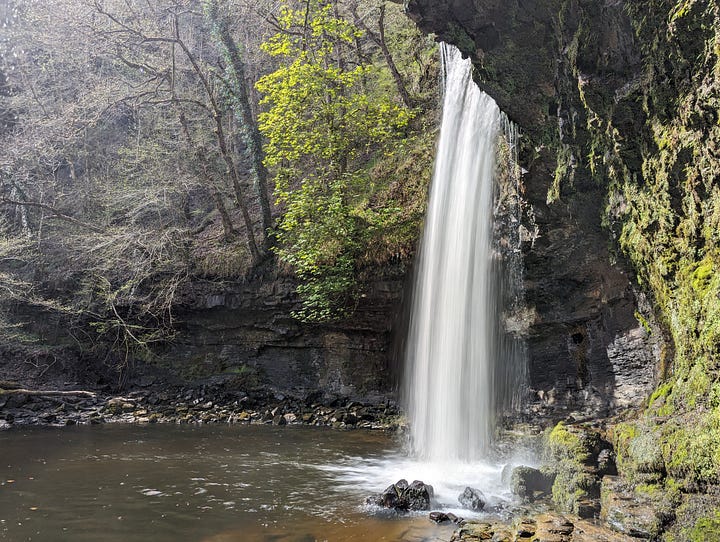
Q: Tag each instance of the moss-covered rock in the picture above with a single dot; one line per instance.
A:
(572, 453)
(529, 483)
(697, 520)
(638, 451)
(659, 145)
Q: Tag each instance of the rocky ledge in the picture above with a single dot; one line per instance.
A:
(548, 527)
(20, 407)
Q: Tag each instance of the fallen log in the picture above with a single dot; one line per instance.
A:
(49, 393)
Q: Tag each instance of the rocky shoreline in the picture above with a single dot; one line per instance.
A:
(543, 527)
(22, 408)
(531, 518)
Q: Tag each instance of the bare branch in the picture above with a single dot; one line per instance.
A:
(54, 213)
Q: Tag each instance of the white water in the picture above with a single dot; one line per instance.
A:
(461, 366)
(452, 353)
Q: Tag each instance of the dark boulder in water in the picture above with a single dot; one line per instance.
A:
(418, 496)
(442, 517)
(404, 496)
(473, 499)
(439, 517)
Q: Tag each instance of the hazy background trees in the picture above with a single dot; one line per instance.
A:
(133, 164)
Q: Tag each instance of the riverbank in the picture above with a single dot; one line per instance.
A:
(22, 407)
(543, 527)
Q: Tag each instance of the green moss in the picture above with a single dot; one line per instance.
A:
(570, 449)
(705, 529)
(661, 400)
(643, 322)
(565, 445)
(457, 35)
(564, 173)
(638, 452)
(691, 449)
(571, 487)
(661, 393)
(621, 436)
(702, 276)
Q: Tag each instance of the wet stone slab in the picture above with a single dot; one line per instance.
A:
(547, 527)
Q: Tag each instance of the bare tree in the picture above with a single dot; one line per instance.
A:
(217, 14)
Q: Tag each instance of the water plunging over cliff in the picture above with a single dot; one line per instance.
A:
(458, 367)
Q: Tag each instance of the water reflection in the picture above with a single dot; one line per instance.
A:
(168, 483)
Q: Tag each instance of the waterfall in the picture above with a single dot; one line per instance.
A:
(460, 363)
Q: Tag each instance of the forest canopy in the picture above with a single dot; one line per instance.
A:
(150, 145)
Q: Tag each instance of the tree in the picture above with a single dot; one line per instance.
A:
(117, 177)
(240, 100)
(328, 116)
(131, 37)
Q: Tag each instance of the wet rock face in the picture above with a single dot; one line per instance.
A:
(587, 349)
(246, 331)
(511, 44)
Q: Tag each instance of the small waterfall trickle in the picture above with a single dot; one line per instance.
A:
(462, 365)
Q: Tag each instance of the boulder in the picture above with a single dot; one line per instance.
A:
(439, 517)
(529, 483)
(390, 498)
(404, 496)
(279, 420)
(417, 496)
(472, 499)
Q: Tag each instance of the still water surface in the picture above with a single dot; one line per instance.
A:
(209, 484)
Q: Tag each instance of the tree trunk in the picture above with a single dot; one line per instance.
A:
(248, 125)
(379, 39)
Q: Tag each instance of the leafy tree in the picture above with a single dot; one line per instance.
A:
(330, 115)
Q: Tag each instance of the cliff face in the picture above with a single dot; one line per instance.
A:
(247, 329)
(620, 104)
(587, 347)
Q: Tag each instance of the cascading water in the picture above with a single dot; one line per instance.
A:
(455, 348)
(463, 365)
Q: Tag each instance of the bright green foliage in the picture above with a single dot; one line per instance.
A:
(706, 528)
(321, 107)
(330, 115)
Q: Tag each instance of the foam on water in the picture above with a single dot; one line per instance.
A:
(371, 475)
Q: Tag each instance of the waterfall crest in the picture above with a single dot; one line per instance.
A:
(456, 369)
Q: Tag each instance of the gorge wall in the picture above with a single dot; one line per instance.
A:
(620, 105)
(589, 345)
(248, 329)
